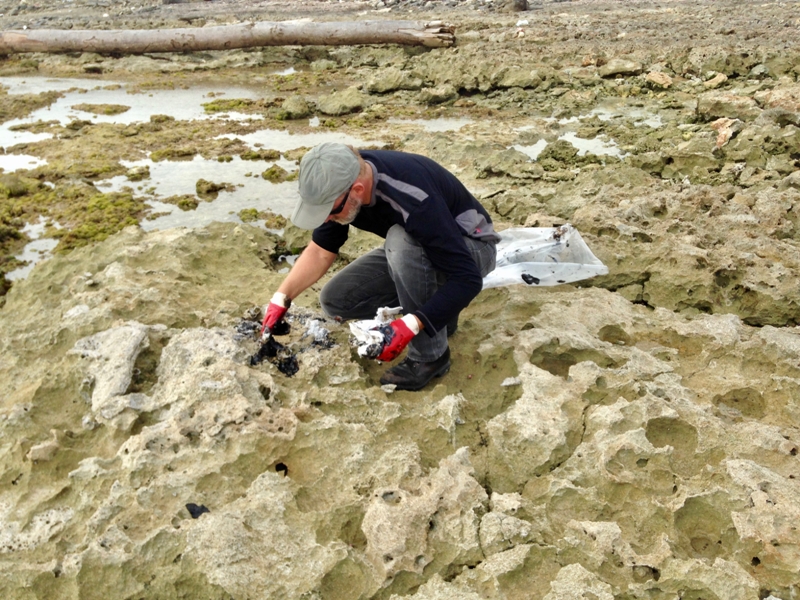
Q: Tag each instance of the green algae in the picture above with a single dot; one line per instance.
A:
(208, 190)
(296, 154)
(86, 215)
(14, 186)
(102, 109)
(138, 173)
(271, 220)
(98, 217)
(260, 154)
(14, 213)
(248, 215)
(183, 201)
(37, 127)
(240, 105)
(275, 174)
(15, 106)
(173, 153)
(228, 104)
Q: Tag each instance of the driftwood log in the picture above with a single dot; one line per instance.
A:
(227, 37)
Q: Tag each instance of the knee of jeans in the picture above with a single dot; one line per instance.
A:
(396, 237)
(325, 302)
(399, 245)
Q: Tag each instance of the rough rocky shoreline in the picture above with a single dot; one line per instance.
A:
(634, 436)
(148, 14)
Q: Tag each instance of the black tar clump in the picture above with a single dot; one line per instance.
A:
(530, 279)
(284, 359)
(272, 350)
(195, 511)
(279, 355)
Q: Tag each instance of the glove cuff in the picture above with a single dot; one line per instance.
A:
(281, 299)
(412, 323)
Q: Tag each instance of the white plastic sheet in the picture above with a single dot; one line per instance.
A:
(543, 256)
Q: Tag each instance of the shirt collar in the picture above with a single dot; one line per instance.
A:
(372, 195)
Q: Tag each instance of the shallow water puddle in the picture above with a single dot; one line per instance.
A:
(35, 251)
(639, 115)
(283, 141)
(168, 178)
(534, 150)
(289, 259)
(9, 138)
(174, 178)
(615, 111)
(597, 146)
(12, 162)
(434, 125)
(182, 104)
(37, 85)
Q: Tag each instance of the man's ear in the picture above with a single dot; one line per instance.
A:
(359, 189)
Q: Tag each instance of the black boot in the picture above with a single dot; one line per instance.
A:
(414, 375)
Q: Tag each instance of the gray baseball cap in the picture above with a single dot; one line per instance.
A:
(326, 172)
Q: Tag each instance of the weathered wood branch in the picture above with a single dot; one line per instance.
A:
(227, 37)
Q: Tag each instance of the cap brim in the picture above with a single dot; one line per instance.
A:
(311, 217)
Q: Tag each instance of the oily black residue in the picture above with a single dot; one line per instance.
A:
(279, 355)
(530, 279)
(249, 328)
(374, 350)
(195, 510)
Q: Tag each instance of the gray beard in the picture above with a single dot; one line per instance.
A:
(349, 214)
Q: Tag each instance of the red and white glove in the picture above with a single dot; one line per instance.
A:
(397, 336)
(276, 310)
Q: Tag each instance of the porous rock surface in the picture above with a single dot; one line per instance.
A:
(634, 436)
(641, 452)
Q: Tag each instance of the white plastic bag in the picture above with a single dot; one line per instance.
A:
(367, 335)
(539, 256)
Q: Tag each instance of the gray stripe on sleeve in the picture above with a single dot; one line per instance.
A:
(405, 188)
(393, 204)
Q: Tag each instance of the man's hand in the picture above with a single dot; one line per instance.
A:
(397, 336)
(276, 310)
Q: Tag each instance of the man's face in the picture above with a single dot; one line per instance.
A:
(345, 209)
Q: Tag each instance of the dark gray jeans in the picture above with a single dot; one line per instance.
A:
(399, 274)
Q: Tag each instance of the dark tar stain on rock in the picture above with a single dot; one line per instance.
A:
(279, 355)
(195, 511)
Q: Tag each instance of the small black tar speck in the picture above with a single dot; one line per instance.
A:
(530, 279)
(196, 510)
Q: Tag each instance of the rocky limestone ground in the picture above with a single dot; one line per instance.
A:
(631, 437)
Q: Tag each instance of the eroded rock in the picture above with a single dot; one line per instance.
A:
(711, 105)
(631, 437)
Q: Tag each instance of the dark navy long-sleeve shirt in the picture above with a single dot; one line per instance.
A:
(435, 208)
